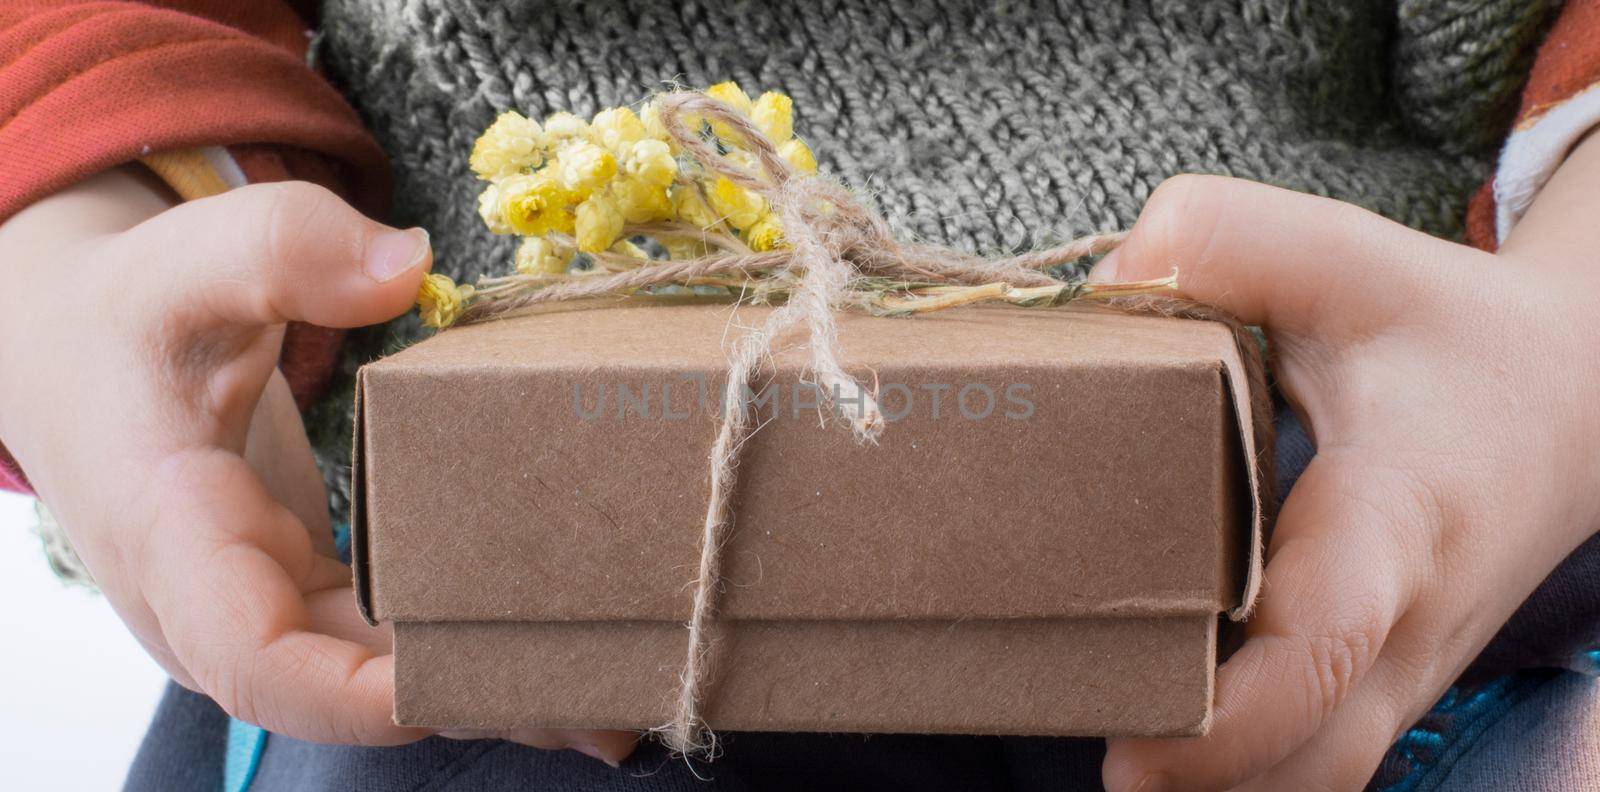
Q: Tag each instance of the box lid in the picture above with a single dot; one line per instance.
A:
(553, 467)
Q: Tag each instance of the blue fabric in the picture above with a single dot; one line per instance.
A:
(1427, 751)
(1546, 741)
(1587, 662)
(246, 742)
(245, 745)
(1515, 735)
(341, 540)
(184, 749)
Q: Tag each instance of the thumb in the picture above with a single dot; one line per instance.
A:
(272, 253)
(1273, 257)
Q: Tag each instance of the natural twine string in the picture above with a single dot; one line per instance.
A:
(834, 243)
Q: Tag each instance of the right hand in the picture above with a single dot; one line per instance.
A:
(139, 392)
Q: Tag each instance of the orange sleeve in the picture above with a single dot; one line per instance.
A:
(86, 85)
(1560, 104)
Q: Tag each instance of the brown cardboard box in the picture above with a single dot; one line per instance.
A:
(1044, 549)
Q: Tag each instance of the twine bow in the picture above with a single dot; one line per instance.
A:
(839, 255)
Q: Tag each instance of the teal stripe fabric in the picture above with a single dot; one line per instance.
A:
(245, 743)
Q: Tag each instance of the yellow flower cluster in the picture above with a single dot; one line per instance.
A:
(569, 185)
(582, 179)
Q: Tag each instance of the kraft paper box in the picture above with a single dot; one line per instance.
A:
(1059, 512)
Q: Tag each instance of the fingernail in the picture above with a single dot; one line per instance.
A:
(1105, 270)
(392, 253)
(1154, 782)
(593, 751)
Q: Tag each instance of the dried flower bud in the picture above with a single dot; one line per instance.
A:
(489, 210)
(730, 93)
(650, 116)
(585, 167)
(510, 145)
(799, 156)
(534, 204)
(680, 248)
(564, 126)
(616, 128)
(641, 201)
(538, 256)
(739, 206)
(765, 234)
(689, 207)
(652, 161)
(773, 114)
(440, 301)
(627, 248)
(599, 223)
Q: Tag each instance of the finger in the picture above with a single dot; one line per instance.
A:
(1273, 257)
(278, 451)
(236, 618)
(168, 661)
(273, 253)
(1345, 753)
(1335, 586)
(333, 612)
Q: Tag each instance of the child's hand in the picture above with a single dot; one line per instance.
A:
(1455, 403)
(139, 391)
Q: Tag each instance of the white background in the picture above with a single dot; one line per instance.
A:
(76, 691)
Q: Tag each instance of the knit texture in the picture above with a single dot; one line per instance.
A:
(988, 126)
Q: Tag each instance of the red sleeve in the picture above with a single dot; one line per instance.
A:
(87, 85)
(1560, 104)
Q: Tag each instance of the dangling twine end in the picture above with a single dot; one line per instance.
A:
(868, 428)
(686, 739)
(867, 421)
(858, 406)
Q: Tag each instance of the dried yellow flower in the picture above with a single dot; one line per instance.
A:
(773, 114)
(680, 248)
(511, 144)
(440, 301)
(627, 248)
(652, 161)
(585, 167)
(539, 256)
(616, 128)
(575, 182)
(599, 223)
(765, 234)
(489, 210)
(535, 204)
(732, 94)
(691, 208)
(739, 206)
(798, 155)
(743, 159)
(650, 116)
(641, 201)
(564, 126)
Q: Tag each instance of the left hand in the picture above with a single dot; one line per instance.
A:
(141, 394)
(1455, 403)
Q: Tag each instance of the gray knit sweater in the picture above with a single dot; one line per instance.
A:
(993, 126)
